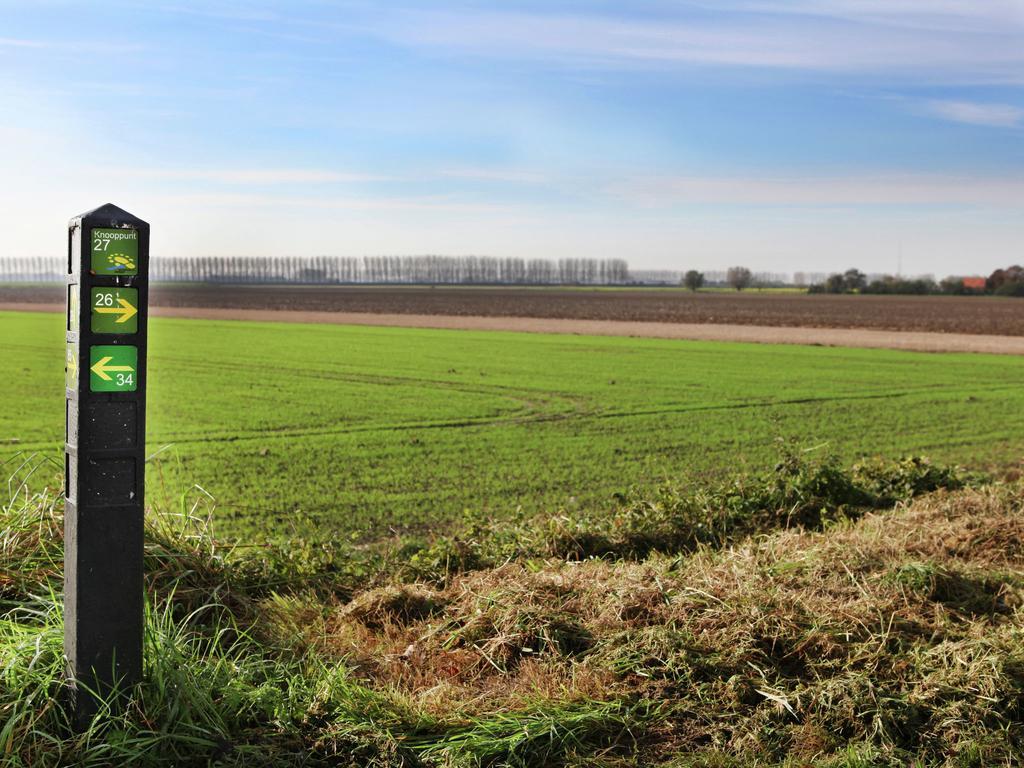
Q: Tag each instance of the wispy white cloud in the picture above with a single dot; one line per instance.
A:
(245, 201)
(259, 176)
(11, 42)
(957, 15)
(509, 175)
(863, 190)
(946, 41)
(229, 11)
(68, 46)
(321, 176)
(976, 113)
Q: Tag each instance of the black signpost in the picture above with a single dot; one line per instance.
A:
(107, 287)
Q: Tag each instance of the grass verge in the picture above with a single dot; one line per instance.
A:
(808, 616)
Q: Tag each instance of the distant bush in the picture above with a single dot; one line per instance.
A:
(851, 281)
(1002, 282)
(1001, 277)
(693, 280)
(1010, 289)
(739, 277)
(954, 286)
(894, 286)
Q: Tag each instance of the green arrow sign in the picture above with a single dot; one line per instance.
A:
(115, 310)
(115, 252)
(113, 369)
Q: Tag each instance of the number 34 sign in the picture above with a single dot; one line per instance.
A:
(113, 368)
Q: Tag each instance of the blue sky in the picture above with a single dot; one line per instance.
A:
(780, 134)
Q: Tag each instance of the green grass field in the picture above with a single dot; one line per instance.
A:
(807, 614)
(357, 429)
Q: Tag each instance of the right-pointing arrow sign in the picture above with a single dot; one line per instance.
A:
(125, 311)
(115, 310)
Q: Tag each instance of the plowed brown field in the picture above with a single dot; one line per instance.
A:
(945, 314)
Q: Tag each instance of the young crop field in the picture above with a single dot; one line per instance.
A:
(297, 428)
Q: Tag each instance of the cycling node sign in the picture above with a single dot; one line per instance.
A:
(114, 310)
(106, 343)
(113, 368)
(115, 252)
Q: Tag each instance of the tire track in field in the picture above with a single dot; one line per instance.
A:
(804, 401)
(557, 417)
(301, 371)
(572, 406)
(529, 415)
(564, 405)
(559, 405)
(537, 418)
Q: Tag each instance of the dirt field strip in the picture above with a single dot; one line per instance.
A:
(984, 315)
(919, 341)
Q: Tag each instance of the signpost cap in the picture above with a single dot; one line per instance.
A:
(112, 213)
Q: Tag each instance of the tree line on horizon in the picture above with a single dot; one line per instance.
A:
(327, 270)
(491, 270)
(739, 278)
(1002, 282)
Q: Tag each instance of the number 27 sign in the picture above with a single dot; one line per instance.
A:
(115, 252)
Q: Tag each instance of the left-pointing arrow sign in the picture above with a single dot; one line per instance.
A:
(113, 368)
(103, 368)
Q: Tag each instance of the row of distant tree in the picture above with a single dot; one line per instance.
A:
(413, 270)
(735, 277)
(435, 270)
(490, 270)
(1002, 282)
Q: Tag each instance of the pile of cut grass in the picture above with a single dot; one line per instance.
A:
(860, 634)
(894, 639)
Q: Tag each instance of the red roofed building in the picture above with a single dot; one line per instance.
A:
(974, 283)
